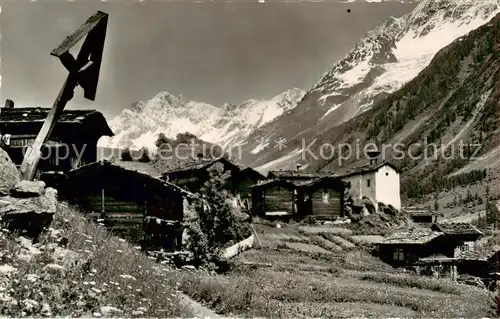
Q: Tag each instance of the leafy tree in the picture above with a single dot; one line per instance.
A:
(125, 155)
(162, 140)
(215, 222)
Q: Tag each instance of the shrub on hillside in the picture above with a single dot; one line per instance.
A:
(162, 140)
(144, 156)
(215, 221)
(125, 155)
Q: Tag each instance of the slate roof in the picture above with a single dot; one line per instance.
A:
(96, 165)
(14, 116)
(319, 180)
(32, 114)
(141, 167)
(284, 174)
(412, 237)
(457, 229)
(366, 169)
(413, 211)
(194, 164)
(252, 171)
(272, 182)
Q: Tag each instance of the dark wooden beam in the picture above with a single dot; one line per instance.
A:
(76, 36)
(91, 51)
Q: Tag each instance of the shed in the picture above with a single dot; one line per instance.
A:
(274, 198)
(322, 198)
(244, 179)
(192, 174)
(137, 206)
(464, 232)
(422, 216)
(406, 248)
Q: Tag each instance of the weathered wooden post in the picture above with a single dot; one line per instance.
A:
(83, 71)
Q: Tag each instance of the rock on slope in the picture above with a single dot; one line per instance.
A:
(381, 63)
(140, 124)
(28, 206)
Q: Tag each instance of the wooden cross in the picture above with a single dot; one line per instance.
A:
(83, 71)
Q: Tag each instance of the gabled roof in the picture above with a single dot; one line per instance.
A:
(457, 229)
(31, 114)
(367, 169)
(250, 170)
(141, 167)
(413, 211)
(294, 174)
(107, 164)
(321, 180)
(38, 114)
(196, 164)
(273, 182)
(418, 237)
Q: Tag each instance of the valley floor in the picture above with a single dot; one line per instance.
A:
(319, 272)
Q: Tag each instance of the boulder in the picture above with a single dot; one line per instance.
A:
(28, 215)
(9, 175)
(25, 189)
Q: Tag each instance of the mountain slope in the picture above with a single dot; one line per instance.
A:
(443, 120)
(381, 63)
(141, 123)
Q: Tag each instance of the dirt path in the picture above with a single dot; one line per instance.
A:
(196, 308)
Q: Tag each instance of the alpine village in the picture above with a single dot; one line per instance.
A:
(117, 228)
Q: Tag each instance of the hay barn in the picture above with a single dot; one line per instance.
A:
(136, 206)
(72, 143)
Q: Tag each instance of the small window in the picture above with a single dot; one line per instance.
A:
(367, 183)
(386, 173)
(398, 254)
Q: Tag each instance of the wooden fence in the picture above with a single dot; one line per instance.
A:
(239, 247)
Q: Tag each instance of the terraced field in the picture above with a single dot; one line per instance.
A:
(325, 272)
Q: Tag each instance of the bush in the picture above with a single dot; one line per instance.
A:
(144, 156)
(215, 222)
(162, 140)
(126, 156)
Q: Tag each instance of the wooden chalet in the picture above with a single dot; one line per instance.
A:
(193, 174)
(137, 206)
(480, 263)
(463, 235)
(72, 143)
(423, 216)
(244, 179)
(322, 198)
(274, 198)
(406, 248)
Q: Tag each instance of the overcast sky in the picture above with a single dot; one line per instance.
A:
(210, 52)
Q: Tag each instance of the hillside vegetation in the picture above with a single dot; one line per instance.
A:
(79, 269)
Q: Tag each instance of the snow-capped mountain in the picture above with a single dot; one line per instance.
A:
(140, 124)
(396, 51)
(382, 62)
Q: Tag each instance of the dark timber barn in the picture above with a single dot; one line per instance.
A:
(193, 174)
(72, 143)
(274, 198)
(136, 206)
(322, 198)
